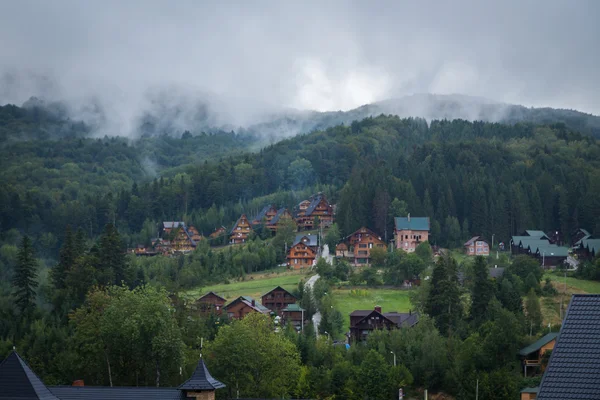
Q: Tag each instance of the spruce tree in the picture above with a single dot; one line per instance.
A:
(443, 303)
(112, 263)
(66, 260)
(481, 292)
(24, 280)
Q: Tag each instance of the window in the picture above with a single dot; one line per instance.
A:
(405, 236)
(362, 246)
(370, 245)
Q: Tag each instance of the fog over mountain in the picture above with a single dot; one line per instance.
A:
(136, 67)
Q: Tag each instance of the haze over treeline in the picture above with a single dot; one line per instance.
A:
(120, 66)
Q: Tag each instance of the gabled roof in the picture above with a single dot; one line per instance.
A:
(313, 204)
(214, 294)
(592, 245)
(173, 224)
(311, 242)
(573, 371)
(538, 344)
(247, 300)
(280, 288)
(583, 239)
(550, 250)
(201, 379)
(412, 223)
(277, 216)
(399, 319)
(19, 382)
(496, 272)
(537, 234)
(116, 393)
(243, 216)
(292, 308)
(263, 213)
(472, 240)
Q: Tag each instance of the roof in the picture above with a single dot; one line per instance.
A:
(573, 371)
(412, 223)
(592, 245)
(400, 319)
(312, 240)
(173, 224)
(360, 313)
(293, 307)
(248, 301)
(531, 389)
(213, 293)
(538, 344)
(313, 204)
(201, 379)
(276, 217)
(471, 241)
(580, 241)
(237, 222)
(538, 234)
(262, 213)
(280, 288)
(18, 381)
(551, 250)
(116, 393)
(496, 272)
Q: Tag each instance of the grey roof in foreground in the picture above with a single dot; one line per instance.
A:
(201, 379)
(116, 393)
(573, 372)
(19, 382)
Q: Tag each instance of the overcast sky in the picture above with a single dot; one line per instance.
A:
(324, 55)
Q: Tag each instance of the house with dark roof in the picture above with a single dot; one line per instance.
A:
(477, 246)
(293, 314)
(363, 322)
(243, 306)
(210, 303)
(578, 235)
(265, 215)
(176, 237)
(301, 255)
(588, 248)
(532, 355)
(573, 371)
(19, 382)
(282, 215)
(240, 231)
(410, 232)
(537, 245)
(277, 299)
(317, 207)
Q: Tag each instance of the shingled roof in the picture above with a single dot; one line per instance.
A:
(201, 379)
(18, 381)
(573, 372)
(116, 393)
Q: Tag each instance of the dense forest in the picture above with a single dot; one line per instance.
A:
(71, 203)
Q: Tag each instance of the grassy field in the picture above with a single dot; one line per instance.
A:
(551, 305)
(348, 300)
(254, 285)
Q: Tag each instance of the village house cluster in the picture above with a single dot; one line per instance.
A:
(175, 237)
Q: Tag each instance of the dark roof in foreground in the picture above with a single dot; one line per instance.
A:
(201, 379)
(19, 382)
(538, 344)
(573, 372)
(116, 393)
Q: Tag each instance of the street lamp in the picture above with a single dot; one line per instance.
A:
(394, 357)
(327, 333)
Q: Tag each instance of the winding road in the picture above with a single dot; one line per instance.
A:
(316, 319)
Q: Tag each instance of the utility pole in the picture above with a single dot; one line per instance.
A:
(394, 357)
(477, 390)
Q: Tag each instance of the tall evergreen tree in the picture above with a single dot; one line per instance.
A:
(24, 280)
(66, 259)
(443, 303)
(111, 258)
(481, 292)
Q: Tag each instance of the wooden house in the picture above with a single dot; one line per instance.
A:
(265, 215)
(588, 248)
(578, 235)
(529, 393)
(18, 381)
(476, 246)
(282, 215)
(410, 232)
(531, 356)
(220, 231)
(194, 234)
(243, 306)
(363, 322)
(301, 256)
(277, 299)
(317, 208)
(363, 245)
(240, 231)
(342, 251)
(210, 303)
(307, 239)
(293, 314)
(178, 237)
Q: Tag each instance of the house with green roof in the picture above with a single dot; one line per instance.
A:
(409, 232)
(295, 315)
(532, 355)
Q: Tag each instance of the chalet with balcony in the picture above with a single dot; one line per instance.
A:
(265, 215)
(18, 381)
(363, 322)
(240, 231)
(476, 246)
(362, 242)
(313, 209)
(210, 303)
(573, 371)
(282, 215)
(532, 355)
(194, 234)
(293, 314)
(277, 299)
(243, 306)
(301, 256)
(410, 232)
(176, 237)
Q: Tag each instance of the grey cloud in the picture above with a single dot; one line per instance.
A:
(239, 61)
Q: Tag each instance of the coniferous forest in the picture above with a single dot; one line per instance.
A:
(73, 302)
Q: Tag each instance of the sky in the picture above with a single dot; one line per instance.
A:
(247, 58)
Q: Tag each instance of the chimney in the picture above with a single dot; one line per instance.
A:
(408, 217)
(378, 309)
(253, 303)
(78, 383)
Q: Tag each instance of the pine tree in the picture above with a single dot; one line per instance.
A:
(481, 292)
(443, 303)
(67, 257)
(24, 280)
(112, 263)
